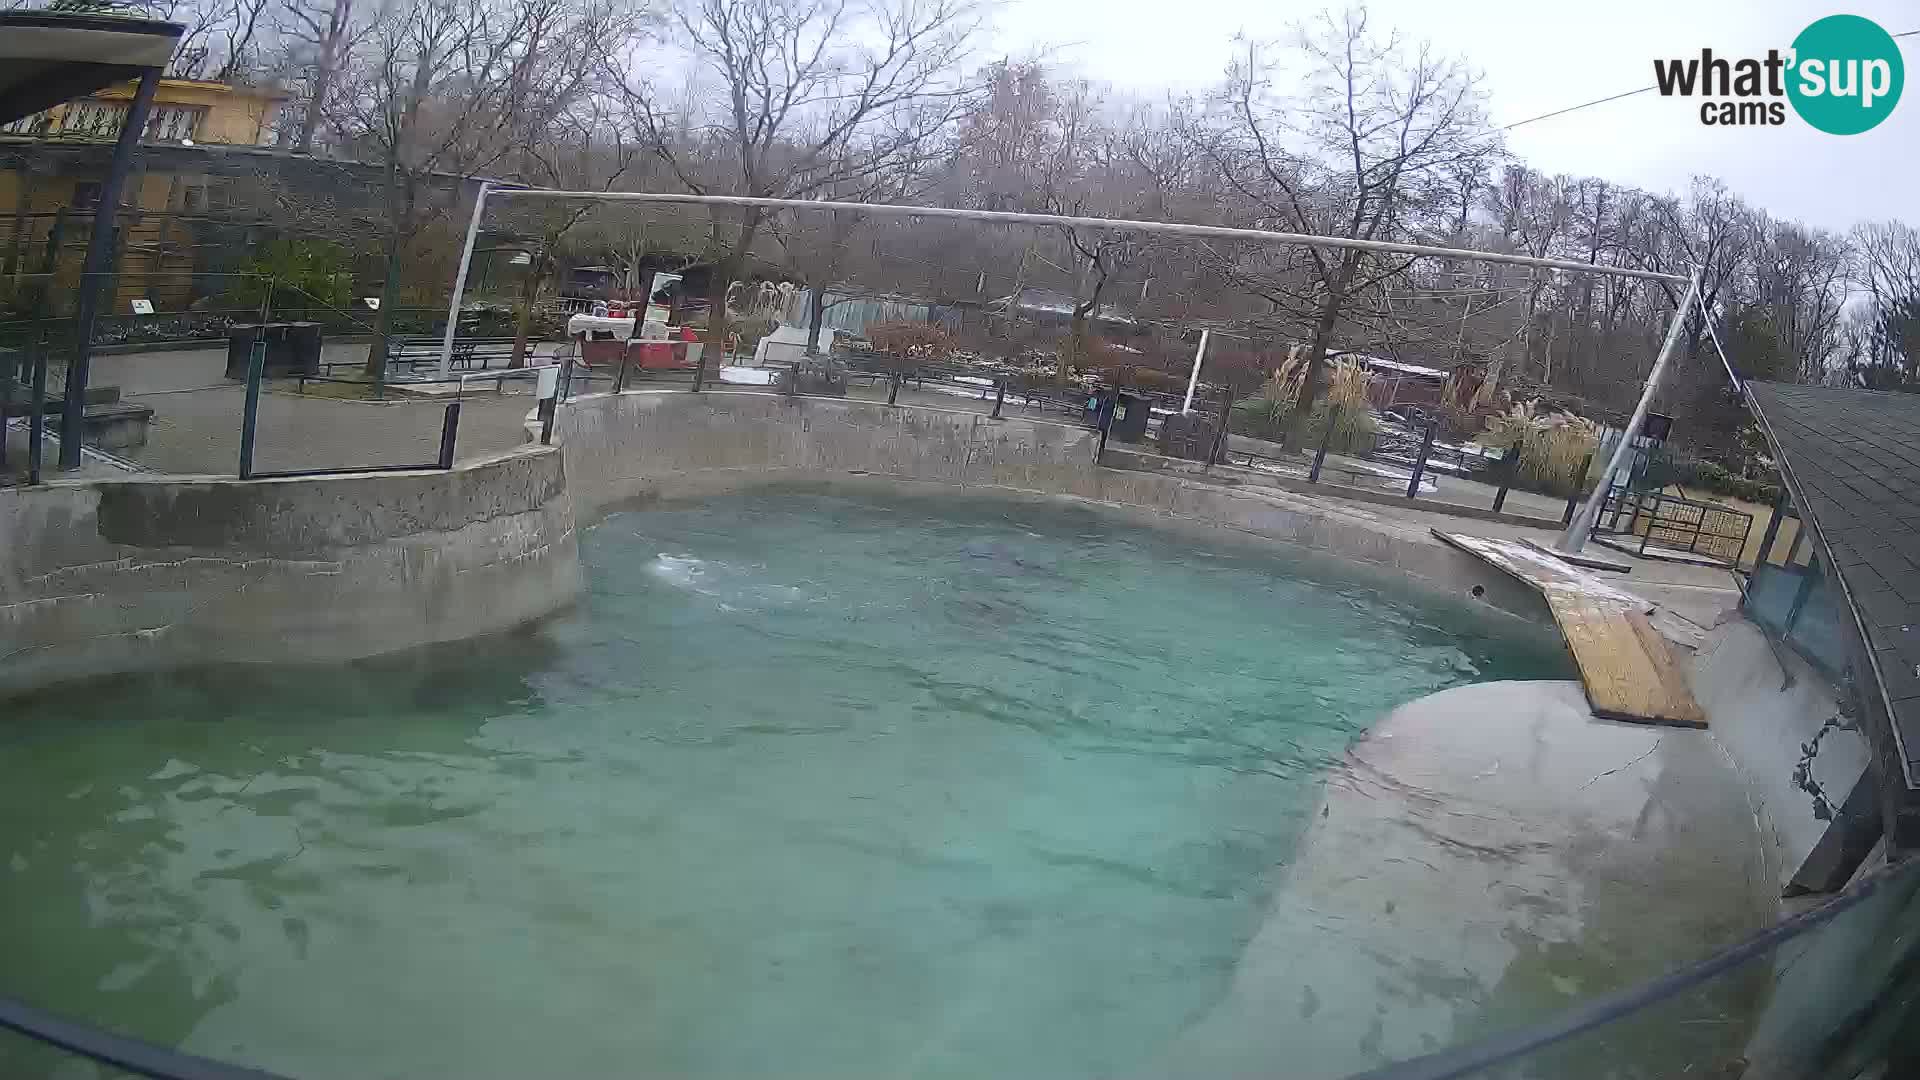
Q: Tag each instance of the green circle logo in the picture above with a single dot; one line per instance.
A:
(1846, 75)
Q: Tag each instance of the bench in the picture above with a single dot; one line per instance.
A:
(467, 352)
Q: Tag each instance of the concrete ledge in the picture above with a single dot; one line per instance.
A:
(127, 575)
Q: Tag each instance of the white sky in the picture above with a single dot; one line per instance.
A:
(1540, 55)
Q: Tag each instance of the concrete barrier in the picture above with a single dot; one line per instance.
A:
(634, 445)
(105, 577)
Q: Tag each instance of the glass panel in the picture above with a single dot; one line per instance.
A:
(1838, 1002)
(1770, 595)
(1820, 629)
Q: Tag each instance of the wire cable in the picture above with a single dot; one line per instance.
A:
(1739, 386)
(1576, 108)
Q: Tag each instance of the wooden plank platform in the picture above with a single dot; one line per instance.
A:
(1627, 668)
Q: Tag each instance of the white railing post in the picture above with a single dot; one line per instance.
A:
(1581, 527)
(460, 281)
(1193, 379)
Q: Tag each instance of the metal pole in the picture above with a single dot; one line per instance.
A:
(1320, 456)
(1193, 378)
(460, 280)
(1575, 538)
(250, 412)
(1420, 463)
(1773, 529)
(37, 401)
(1573, 500)
(1510, 466)
(449, 433)
(1177, 228)
(1104, 416)
(100, 247)
(8, 373)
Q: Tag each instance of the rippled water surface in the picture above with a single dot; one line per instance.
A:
(809, 786)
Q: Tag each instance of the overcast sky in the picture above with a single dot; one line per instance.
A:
(1540, 55)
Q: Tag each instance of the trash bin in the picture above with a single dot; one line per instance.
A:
(303, 341)
(293, 348)
(1130, 415)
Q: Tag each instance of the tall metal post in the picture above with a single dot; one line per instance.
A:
(7, 366)
(1773, 529)
(449, 433)
(1420, 463)
(37, 419)
(1193, 377)
(460, 280)
(100, 247)
(1509, 465)
(1575, 538)
(1326, 438)
(250, 410)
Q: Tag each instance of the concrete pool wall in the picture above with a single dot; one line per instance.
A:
(151, 573)
(673, 444)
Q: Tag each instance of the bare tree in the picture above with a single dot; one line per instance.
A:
(809, 95)
(222, 39)
(320, 35)
(1371, 149)
(1883, 337)
(442, 89)
(1799, 285)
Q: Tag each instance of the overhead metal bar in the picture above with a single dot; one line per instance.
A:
(1572, 540)
(1175, 228)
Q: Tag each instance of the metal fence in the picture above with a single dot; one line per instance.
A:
(1402, 455)
(318, 405)
(1656, 525)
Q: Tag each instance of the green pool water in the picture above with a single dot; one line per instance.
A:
(809, 785)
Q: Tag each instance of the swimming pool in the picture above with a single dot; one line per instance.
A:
(810, 784)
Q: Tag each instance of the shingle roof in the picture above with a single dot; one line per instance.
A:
(1852, 461)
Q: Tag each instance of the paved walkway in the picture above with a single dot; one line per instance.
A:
(197, 412)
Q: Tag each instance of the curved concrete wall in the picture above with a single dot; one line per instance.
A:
(632, 445)
(675, 444)
(105, 577)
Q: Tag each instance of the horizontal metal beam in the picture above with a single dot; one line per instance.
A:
(1175, 228)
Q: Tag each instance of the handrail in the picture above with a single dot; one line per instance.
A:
(160, 1063)
(120, 1051)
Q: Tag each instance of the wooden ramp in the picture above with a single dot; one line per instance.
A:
(1627, 668)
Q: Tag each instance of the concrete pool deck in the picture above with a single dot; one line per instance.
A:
(1568, 857)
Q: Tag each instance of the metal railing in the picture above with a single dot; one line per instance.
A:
(1866, 931)
(1403, 456)
(1668, 526)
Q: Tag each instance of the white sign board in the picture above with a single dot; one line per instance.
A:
(372, 302)
(143, 307)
